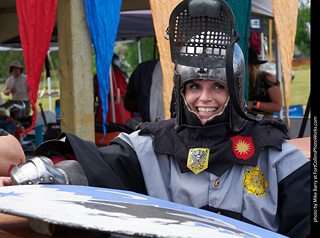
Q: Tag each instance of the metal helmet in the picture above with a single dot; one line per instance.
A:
(203, 46)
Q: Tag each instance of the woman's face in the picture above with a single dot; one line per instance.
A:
(206, 98)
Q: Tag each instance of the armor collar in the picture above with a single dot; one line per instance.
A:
(219, 138)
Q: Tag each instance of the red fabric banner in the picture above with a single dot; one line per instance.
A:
(36, 21)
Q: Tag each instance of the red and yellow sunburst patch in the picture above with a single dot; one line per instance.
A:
(242, 147)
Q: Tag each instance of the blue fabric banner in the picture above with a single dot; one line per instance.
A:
(103, 19)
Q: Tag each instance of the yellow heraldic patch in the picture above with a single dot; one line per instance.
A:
(254, 182)
(198, 159)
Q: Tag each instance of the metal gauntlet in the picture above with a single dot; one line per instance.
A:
(37, 170)
(40, 170)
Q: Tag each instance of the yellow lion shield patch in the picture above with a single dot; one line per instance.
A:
(254, 182)
(198, 159)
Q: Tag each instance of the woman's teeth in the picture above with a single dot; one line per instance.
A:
(207, 109)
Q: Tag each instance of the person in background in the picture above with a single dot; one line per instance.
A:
(144, 93)
(16, 85)
(264, 91)
(119, 79)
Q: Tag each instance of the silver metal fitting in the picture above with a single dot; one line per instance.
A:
(38, 170)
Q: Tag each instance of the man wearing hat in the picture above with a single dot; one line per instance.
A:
(16, 84)
(264, 91)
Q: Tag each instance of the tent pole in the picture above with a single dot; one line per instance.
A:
(139, 51)
(262, 46)
(48, 79)
(279, 73)
(270, 40)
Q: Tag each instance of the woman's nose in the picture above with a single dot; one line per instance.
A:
(205, 95)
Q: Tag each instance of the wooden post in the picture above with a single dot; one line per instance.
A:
(270, 40)
(75, 69)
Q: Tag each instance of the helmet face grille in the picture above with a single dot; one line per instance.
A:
(200, 41)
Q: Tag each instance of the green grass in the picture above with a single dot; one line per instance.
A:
(300, 86)
(45, 103)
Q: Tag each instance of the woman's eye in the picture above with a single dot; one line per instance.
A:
(194, 86)
(219, 86)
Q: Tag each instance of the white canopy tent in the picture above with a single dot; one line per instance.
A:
(9, 20)
(261, 8)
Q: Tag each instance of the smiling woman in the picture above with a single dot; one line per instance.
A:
(206, 98)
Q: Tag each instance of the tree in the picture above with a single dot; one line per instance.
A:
(128, 53)
(302, 40)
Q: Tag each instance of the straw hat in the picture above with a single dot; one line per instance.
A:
(16, 64)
